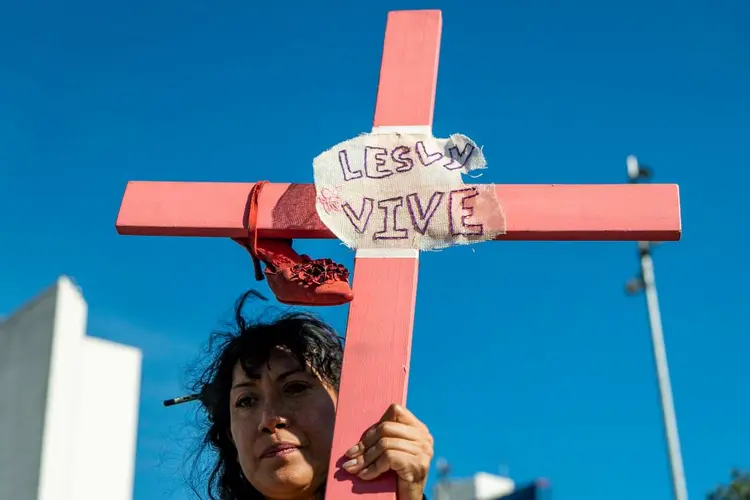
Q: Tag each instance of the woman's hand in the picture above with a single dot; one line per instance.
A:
(398, 442)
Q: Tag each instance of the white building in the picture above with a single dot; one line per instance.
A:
(483, 486)
(68, 404)
(480, 486)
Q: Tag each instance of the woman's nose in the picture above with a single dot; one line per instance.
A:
(271, 421)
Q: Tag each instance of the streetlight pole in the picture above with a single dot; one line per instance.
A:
(647, 283)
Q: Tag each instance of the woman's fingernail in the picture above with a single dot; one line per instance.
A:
(349, 464)
(354, 449)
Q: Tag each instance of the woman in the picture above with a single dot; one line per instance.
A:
(270, 397)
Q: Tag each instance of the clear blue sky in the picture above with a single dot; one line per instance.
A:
(545, 365)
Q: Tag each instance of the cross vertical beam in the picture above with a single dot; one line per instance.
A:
(381, 317)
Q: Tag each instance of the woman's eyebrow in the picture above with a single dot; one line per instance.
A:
(254, 378)
(245, 383)
(291, 372)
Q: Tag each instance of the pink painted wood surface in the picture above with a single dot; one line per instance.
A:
(377, 351)
(409, 68)
(630, 212)
(376, 364)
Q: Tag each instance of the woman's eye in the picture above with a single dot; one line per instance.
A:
(245, 402)
(296, 388)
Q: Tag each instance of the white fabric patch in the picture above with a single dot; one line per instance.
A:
(395, 190)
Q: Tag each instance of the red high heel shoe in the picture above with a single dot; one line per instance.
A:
(294, 279)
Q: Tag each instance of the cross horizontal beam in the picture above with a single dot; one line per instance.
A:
(604, 212)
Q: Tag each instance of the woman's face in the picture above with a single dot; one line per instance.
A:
(282, 425)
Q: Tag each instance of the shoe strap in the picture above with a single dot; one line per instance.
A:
(252, 227)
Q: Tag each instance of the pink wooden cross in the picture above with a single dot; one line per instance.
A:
(379, 329)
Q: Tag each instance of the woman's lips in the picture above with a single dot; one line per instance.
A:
(279, 450)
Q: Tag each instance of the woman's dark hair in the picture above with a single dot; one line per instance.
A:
(311, 341)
